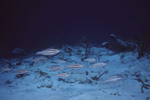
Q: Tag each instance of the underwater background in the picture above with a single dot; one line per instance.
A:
(26, 24)
(84, 50)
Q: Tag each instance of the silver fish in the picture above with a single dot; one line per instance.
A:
(112, 79)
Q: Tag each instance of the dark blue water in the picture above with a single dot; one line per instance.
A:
(37, 24)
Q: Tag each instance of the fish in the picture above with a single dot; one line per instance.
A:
(62, 75)
(55, 68)
(48, 52)
(100, 64)
(90, 59)
(61, 61)
(39, 59)
(75, 66)
(112, 79)
(21, 71)
(5, 69)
